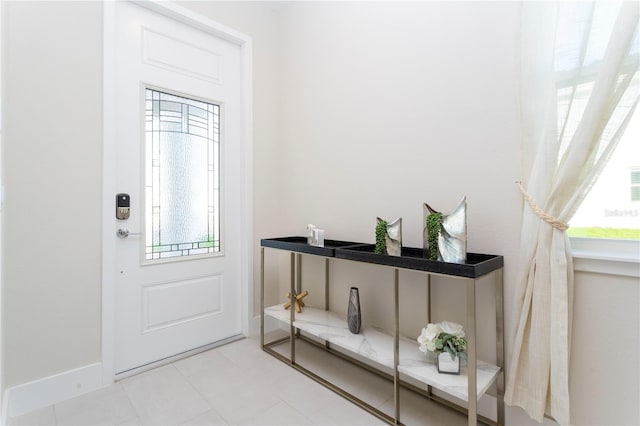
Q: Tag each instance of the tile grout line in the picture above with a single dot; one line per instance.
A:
(200, 394)
(126, 393)
(55, 414)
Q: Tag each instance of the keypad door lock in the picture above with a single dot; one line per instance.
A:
(123, 206)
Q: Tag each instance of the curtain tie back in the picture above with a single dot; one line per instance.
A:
(551, 220)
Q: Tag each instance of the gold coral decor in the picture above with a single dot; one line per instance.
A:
(298, 304)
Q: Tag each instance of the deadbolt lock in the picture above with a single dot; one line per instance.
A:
(123, 206)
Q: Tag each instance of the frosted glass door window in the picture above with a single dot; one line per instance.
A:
(182, 176)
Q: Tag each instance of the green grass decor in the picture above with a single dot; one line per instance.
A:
(434, 222)
(381, 237)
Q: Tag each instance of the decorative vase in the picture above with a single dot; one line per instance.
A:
(446, 364)
(452, 238)
(353, 312)
(389, 242)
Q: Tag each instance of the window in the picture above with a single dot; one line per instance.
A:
(635, 183)
(608, 211)
(182, 176)
(612, 207)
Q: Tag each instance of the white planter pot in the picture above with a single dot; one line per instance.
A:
(447, 365)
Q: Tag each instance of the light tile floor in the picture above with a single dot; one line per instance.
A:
(239, 384)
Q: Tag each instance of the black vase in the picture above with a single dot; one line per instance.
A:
(353, 312)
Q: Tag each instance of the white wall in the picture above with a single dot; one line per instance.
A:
(387, 105)
(1, 226)
(374, 99)
(361, 110)
(605, 372)
(52, 162)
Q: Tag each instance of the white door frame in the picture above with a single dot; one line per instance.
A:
(109, 189)
(3, 410)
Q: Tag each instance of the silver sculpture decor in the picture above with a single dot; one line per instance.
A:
(392, 237)
(452, 235)
(354, 319)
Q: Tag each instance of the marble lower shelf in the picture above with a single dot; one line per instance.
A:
(377, 345)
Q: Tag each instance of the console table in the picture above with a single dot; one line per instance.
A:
(392, 351)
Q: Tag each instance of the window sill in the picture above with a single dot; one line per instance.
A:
(605, 256)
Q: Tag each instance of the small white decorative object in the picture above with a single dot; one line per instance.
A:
(310, 228)
(315, 236)
(446, 340)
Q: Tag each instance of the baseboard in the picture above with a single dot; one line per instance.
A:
(270, 324)
(4, 419)
(40, 393)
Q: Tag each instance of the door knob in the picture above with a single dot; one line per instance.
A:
(124, 233)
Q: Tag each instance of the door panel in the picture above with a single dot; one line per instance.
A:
(167, 305)
(176, 55)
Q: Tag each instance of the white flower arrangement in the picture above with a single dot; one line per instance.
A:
(444, 336)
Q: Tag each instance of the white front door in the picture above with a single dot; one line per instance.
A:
(179, 159)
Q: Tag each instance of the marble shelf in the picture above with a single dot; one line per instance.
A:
(377, 345)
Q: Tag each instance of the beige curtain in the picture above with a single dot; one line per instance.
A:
(579, 89)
